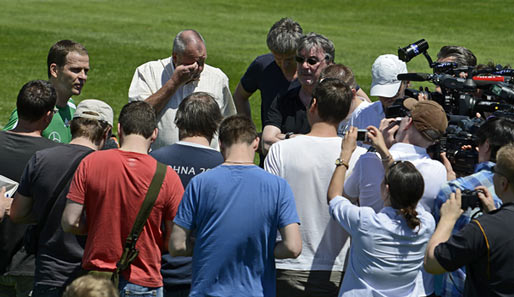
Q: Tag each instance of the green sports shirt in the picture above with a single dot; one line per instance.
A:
(59, 128)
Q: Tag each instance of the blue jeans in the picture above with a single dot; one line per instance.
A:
(132, 290)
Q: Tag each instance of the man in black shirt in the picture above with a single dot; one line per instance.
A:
(35, 105)
(287, 114)
(485, 245)
(59, 254)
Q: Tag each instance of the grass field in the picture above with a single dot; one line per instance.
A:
(120, 35)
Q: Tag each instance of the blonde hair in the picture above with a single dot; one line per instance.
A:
(91, 286)
(505, 161)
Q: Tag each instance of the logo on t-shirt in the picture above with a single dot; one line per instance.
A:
(55, 136)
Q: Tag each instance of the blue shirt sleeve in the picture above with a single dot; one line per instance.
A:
(287, 207)
(187, 210)
(345, 213)
(250, 80)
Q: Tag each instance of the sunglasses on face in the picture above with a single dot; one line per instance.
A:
(310, 60)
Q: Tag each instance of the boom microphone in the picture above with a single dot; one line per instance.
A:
(414, 76)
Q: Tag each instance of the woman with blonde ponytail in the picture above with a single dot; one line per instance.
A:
(387, 248)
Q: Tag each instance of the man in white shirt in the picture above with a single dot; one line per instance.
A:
(306, 162)
(385, 86)
(425, 123)
(165, 83)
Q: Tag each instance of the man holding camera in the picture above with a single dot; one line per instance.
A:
(492, 135)
(484, 245)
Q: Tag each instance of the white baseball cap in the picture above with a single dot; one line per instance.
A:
(94, 109)
(384, 71)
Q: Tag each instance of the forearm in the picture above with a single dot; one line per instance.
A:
(242, 101)
(336, 186)
(78, 227)
(442, 234)
(270, 135)
(159, 99)
(283, 251)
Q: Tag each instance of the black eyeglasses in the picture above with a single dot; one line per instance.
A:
(495, 171)
(310, 60)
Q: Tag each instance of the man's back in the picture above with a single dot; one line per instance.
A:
(15, 152)
(59, 253)
(111, 203)
(307, 163)
(489, 240)
(236, 212)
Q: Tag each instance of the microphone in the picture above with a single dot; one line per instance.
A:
(415, 76)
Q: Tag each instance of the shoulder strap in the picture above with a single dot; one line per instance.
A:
(129, 250)
(60, 187)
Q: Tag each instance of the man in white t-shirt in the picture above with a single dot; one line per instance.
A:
(384, 85)
(306, 162)
(165, 83)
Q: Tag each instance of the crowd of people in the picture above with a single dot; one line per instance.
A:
(175, 206)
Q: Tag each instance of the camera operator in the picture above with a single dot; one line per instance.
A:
(485, 245)
(458, 54)
(491, 136)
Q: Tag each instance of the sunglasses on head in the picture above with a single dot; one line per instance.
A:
(310, 60)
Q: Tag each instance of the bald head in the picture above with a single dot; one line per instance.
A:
(189, 48)
(187, 38)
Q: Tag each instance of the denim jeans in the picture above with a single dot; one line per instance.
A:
(132, 290)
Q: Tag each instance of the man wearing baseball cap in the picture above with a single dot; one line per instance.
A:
(424, 123)
(385, 86)
(59, 254)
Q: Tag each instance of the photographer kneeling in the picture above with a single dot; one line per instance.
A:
(491, 136)
(387, 247)
(485, 245)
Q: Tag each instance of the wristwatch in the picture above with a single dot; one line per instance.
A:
(340, 162)
(288, 135)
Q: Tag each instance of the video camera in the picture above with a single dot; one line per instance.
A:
(464, 92)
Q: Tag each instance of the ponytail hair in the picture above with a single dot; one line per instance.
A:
(411, 216)
(406, 187)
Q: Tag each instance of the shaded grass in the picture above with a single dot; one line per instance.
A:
(120, 35)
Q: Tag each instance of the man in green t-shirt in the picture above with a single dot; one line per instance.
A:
(68, 64)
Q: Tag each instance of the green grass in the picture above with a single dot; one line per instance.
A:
(120, 35)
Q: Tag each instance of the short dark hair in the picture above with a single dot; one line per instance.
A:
(138, 118)
(35, 99)
(283, 36)
(498, 132)
(341, 72)
(60, 50)
(406, 186)
(462, 55)
(198, 115)
(334, 98)
(237, 129)
(92, 129)
(311, 40)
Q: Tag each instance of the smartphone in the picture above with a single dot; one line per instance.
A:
(362, 135)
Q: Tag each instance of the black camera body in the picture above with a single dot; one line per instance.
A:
(470, 199)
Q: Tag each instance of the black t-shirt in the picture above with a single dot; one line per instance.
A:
(265, 75)
(288, 113)
(59, 253)
(15, 151)
(488, 262)
(188, 160)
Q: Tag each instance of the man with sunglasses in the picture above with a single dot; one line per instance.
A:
(287, 114)
(492, 135)
(485, 245)
(407, 140)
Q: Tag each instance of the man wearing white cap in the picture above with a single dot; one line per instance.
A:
(385, 86)
(41, 196)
